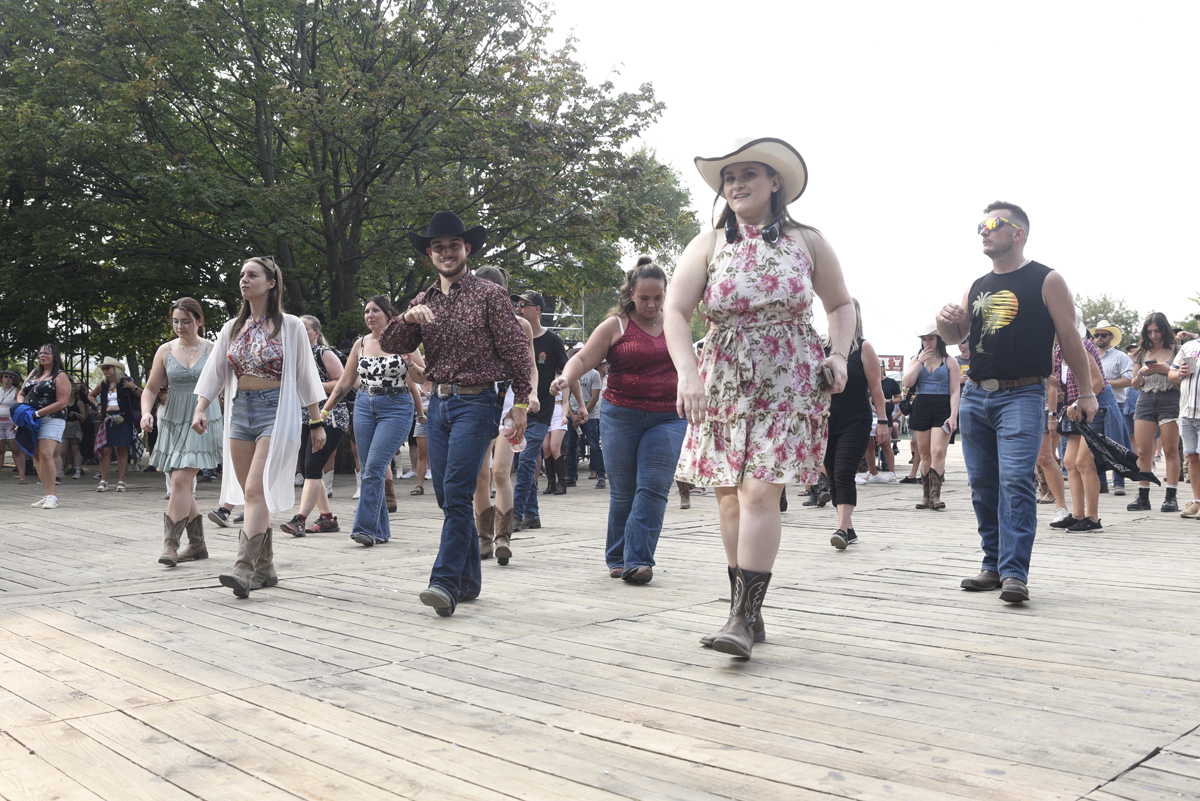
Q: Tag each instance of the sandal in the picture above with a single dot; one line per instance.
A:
(418, 491)
(102, 486)
(120, 486)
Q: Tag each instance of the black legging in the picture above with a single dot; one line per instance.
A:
(843, 453)
(314, 463)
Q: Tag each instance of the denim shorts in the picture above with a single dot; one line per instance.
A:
(1189, 429)
(52, 428)
(1158, 407)
(254, 414)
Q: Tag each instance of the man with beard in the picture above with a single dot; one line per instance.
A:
(472, 340)
(1011, 316)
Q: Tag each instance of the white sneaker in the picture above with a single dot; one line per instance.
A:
(410, 474)
(860, 479)
(50, 502)
(1061, 514)
(299, 482)
(357, 485)
(38, 503)
(428, 474)
(882, 478)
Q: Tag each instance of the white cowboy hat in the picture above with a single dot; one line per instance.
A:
(775, 153)
(1105, 325)
(928, 331)
(109, 361)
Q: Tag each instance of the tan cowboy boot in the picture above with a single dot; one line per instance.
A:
(264, 566)
(935, 490)
(195, 549)
(389, 492)
(240, 579)
(503, 523)
(483, 524)
(924, 504)
(172, 531)
(760, 631)
(737, 639)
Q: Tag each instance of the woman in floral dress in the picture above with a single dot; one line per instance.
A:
(756, 405)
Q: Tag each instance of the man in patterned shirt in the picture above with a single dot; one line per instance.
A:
(472, 339)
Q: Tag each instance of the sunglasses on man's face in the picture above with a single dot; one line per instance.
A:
(524, 305)
(992, 223)
(1102, 335)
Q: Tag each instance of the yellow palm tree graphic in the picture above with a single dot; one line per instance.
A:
(997, 310)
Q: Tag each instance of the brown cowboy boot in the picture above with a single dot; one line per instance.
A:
(504, 524)
(685, 494)
(389, 492)
(264, 566)
(172, 531)
(195, 549)
(240, 580)
(483, 524)
(749, 591)
(924, 504)
(1043, 490)
(760, 632)
(935, 490)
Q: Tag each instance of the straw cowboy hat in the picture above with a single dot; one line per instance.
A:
(1105, 325)
(447, 223)
(927, 331)
(775, 153)
(109, 361)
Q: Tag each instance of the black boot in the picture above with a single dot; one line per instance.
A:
(560, 468)
(1142, 504)
(551, 475)
(811, 500)
(1170, 503)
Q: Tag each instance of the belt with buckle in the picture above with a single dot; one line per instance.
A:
(994, 384)
(446, 390)
(385, 390)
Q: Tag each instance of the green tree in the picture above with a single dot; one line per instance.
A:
(1115, 310)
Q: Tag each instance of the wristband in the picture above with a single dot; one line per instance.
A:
(521, 406)
(317, 424)
(1089, 395)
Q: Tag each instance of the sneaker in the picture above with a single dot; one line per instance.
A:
(51, 502)
(299, 482)
(909, 480)
(1059, 516)
(1118, 490)
(428, 474)
(220, 516)
(323, 525)
(295, 526)
(1191, 510)
(78, 472)
(39, 502)
(58, 479)
(1103, 489)
(842, 538)
(601, 484)
(860, 479)
(1087, 524)
(410, 474)
(882, 478)
(1065, 522)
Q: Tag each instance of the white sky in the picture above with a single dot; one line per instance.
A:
(912, 117)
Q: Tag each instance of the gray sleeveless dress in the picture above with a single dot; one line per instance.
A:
(178, 446)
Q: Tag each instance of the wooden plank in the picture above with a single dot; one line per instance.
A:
(26, 776)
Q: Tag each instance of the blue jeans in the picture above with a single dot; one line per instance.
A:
(643, 449)
(381, 424)
(1003, 428)
(591, 430)
(458, 432)
(525, 492)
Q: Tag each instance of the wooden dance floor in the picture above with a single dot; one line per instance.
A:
(880, 679)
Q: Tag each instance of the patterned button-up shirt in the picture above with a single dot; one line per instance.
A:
(1117, 365)
(474, 337)
(1071, 383)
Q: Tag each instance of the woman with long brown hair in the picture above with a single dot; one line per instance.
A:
(263, 364)
(48, 391)
(1157, 408)
(934, 374)
(179, 451)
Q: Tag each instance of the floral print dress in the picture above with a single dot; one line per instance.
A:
(766, 415)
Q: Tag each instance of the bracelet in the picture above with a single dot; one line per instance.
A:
(317, 424)
(521, 406)
(1089, 395)
(838, 353)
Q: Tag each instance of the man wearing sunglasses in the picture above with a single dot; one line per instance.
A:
(1118, 369)
(1010, 316)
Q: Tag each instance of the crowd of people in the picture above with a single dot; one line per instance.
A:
(469, 375)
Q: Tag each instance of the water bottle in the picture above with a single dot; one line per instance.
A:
(517, 447)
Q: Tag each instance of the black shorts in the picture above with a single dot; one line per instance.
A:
(314, 463)
(928, 412)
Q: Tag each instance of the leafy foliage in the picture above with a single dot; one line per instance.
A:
(1115, 310)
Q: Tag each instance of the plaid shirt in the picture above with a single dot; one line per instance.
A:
(1067, 379)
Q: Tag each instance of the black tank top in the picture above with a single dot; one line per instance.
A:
(40, 393)
(853, 404)
(1012, 335)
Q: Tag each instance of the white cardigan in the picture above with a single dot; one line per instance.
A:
(301, 387)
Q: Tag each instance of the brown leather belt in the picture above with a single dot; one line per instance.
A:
(995, 384)
(446, 390)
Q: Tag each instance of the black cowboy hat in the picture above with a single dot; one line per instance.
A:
(447, 223)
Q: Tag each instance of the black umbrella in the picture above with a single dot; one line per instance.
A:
(1112, 455)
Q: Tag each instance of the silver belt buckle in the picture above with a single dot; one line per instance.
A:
(990, 384)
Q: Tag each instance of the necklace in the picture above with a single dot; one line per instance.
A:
(192, 349)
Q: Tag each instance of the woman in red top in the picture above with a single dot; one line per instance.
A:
(641, 431)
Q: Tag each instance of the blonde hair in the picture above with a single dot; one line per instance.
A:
(315, 325)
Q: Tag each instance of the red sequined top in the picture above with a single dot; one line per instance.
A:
(641, 374)
(255, 353)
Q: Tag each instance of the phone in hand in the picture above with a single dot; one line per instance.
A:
(826, 379)
(946, 427)
(1150, 361)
